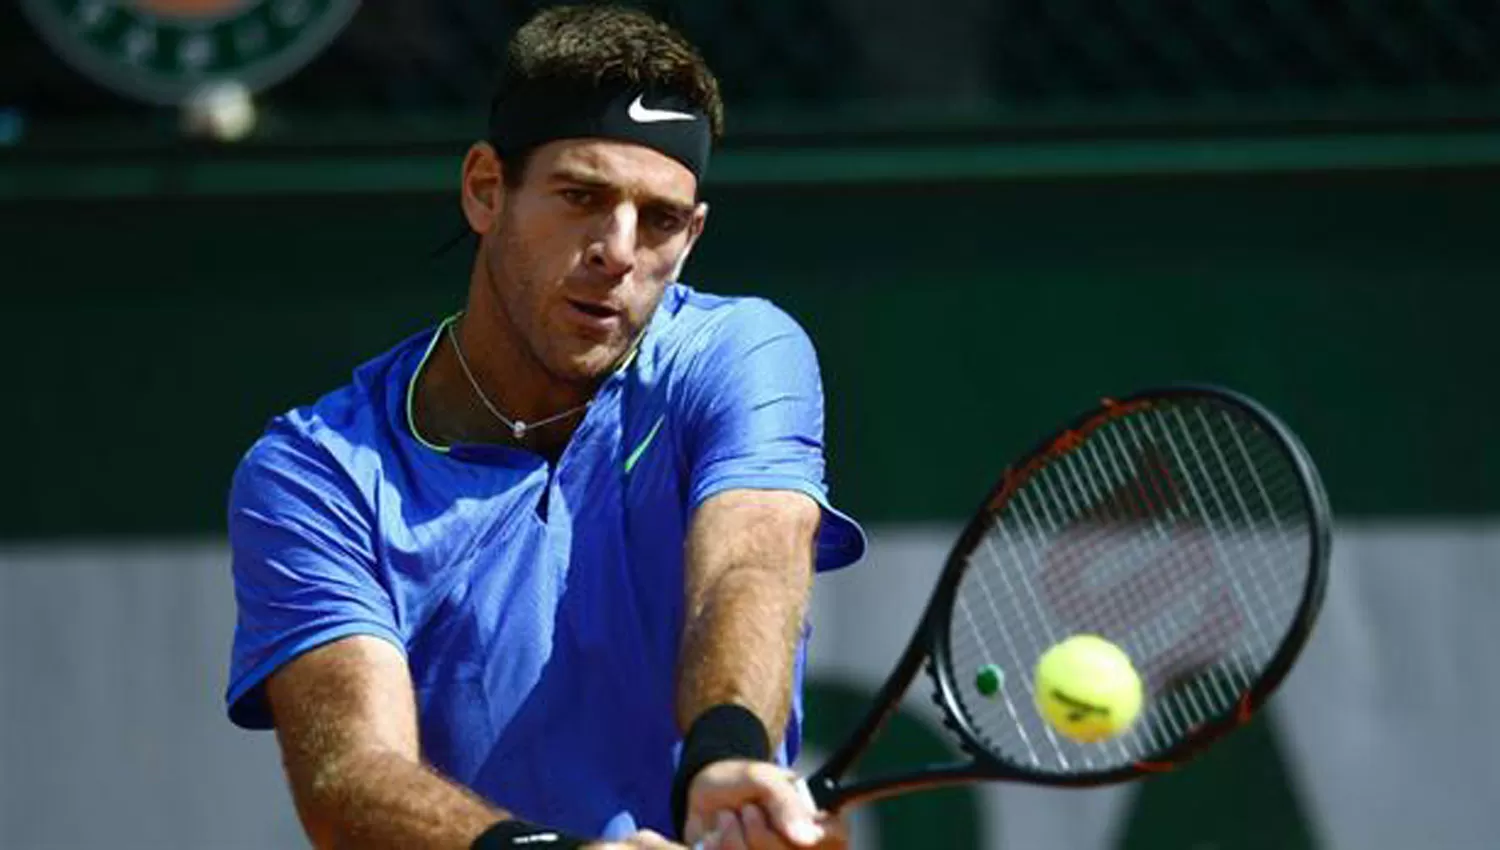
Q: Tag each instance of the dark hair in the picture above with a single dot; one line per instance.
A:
(599, 45)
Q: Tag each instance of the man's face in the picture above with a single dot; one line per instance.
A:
(580, 252)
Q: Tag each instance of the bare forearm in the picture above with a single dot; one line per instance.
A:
(746, 611)
(385, 800)
(347, 725)
(740, 649)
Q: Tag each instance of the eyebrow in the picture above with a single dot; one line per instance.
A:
(591, 180)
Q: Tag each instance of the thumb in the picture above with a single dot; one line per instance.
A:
(790, 813)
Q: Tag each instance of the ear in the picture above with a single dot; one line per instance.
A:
(483, 187)
(695, 230)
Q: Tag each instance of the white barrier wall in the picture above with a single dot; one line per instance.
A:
(112, 665)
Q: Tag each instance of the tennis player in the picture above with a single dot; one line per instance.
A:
(538, 576)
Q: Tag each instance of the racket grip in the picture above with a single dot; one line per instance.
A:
(819, 792)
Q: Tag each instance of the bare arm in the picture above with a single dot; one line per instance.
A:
(749, 573)
(347, 722)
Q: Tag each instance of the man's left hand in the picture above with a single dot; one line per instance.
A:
(751, 805)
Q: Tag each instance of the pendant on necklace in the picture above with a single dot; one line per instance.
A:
(518, 429)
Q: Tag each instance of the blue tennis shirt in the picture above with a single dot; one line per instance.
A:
(539, 605)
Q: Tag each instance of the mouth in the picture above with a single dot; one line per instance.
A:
(593, 318)
(598, 311)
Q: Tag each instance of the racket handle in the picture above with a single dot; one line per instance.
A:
(820, 792)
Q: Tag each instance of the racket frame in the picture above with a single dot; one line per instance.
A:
(930, 641)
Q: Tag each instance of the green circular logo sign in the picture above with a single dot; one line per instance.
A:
(160, 50)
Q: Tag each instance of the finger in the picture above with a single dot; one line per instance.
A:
(804, 793)
(693, 829)
(835, 831)
(651, 840)
(722, 785)
(758, 832)
(730, 836)
(789, 814)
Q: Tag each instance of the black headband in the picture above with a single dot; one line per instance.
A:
(542, 111)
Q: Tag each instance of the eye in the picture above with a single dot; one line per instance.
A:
(666, 221)
(577, 197)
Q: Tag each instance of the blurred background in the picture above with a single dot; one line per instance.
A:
(988, 213)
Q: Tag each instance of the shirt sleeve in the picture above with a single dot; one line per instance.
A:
(303, 561)
(755, 410)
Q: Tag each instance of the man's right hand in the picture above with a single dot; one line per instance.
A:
(643, 840)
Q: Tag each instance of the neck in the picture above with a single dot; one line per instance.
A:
(489, 364)
(506, 370)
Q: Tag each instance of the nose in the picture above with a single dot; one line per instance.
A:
(611, 252)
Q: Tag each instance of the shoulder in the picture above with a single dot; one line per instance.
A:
(700, 324)
(319, 441)
(698, 311)
(293, 468)
(334, 444)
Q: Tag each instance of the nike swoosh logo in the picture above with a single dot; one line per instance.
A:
(640, 113)
(641, 448)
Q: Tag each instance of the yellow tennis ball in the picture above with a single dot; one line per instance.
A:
(1087, 688)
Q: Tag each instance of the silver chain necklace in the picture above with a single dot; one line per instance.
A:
(517, 427)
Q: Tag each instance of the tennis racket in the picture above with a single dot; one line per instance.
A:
(1186, 525)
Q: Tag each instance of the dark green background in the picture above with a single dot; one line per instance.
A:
(149, 339)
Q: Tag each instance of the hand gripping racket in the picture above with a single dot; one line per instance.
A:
(1187, 525)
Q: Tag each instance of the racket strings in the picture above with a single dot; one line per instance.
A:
(1194, 704)
(1200, 501)
(1131, 508)
(1139, 586)
(1104, 515)
(1179, 532)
